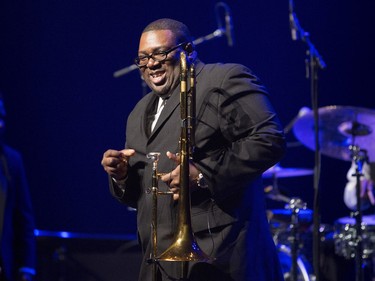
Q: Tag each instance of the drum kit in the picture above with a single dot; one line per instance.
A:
(345, 133)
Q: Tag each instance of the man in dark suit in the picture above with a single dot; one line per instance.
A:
(17, 248)
(237, 137)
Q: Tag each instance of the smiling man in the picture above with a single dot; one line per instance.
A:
(237, 137)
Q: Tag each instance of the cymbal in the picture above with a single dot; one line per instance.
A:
(279, 172)
(339, 128)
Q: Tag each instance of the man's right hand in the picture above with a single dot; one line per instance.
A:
(115, 162)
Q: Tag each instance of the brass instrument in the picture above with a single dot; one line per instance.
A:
(184, 248)
(154, 156)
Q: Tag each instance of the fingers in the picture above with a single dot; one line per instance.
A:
(128, 152)
(172, 179)
(114, 157)
(167, 177)
(115, 162)
(174, 157)
(176, 194)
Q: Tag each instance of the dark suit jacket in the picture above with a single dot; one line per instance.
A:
(238, 137)
(17, 237)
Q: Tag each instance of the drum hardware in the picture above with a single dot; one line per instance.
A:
(292, 215)
(295, 205)
(304, 267)
(272, 192)
(326, 232)
(281, 219)
(359, 156)
(345, 237)
(287, 238)
(345, 133)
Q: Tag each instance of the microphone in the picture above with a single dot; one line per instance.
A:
(228, 31)
(229, 27)
(292, 21)
(303, 111)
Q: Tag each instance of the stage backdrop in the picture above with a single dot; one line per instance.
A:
(65, 108)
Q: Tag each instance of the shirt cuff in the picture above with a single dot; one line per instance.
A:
(120, 183)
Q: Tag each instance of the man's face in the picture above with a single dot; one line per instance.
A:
(161, 77)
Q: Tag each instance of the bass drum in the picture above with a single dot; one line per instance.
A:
(305, 272)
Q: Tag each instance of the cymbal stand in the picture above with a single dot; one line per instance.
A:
(359, 157)
(295, 205)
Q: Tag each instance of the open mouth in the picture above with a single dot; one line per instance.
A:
(157, 77)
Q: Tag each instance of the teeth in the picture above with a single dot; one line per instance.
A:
(156, 75)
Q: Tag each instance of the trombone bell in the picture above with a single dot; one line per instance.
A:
(185, 248)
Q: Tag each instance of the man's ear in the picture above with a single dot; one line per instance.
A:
(191, 53)
(189, 48)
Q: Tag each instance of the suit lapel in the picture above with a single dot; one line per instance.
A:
(172, 103)
(149, 114)
(170, 106)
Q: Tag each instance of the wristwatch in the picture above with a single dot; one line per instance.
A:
(201, 182)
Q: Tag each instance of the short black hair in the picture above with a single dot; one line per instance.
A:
(178, 28)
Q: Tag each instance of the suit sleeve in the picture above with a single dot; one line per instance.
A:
(249, 132)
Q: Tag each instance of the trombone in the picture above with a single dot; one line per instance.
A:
(184, 248)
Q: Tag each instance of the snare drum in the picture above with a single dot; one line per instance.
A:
(345, 237)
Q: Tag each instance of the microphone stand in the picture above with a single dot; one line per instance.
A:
(125, 70)
(216, 34)
(313, 64)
